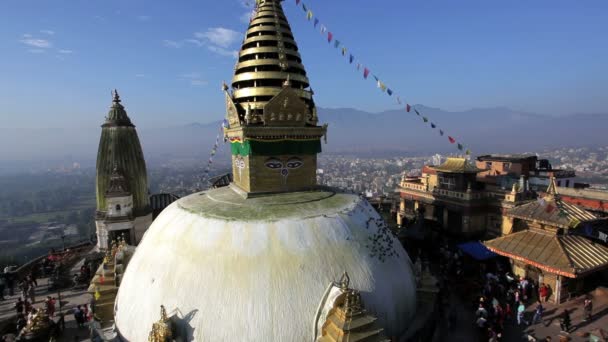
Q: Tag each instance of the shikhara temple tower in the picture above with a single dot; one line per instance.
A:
(261, 260)
(273, 120)
(123, 205)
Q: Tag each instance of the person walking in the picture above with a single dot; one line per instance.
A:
(19, 306)
(538, 313)
(32, 293)
(521, 311)
(564, 324)
(543, 292)
(587, 308)
(50, 306)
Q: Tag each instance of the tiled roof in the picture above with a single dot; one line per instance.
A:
(568, 255)
(457, 165)
(557, 213)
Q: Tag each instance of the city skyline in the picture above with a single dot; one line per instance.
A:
(168, 62)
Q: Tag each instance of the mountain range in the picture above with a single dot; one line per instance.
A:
(483, 130)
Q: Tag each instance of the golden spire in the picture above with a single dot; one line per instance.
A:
(552, 193)
(269, 55)
(272, 117)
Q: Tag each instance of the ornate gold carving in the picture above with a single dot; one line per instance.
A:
(161, 330)
(232, 113)
(285, 105)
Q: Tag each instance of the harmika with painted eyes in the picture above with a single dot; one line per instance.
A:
(290, 164)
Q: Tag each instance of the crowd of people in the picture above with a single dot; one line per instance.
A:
(502, 298)
(24, 306)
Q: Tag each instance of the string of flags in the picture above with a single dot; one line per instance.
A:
(214, 149)
(366, 72)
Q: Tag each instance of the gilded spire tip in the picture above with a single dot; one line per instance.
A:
(115, 96)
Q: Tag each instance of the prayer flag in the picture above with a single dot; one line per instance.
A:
(343, 51)
(460, 147)
(441, 132)
(382, 86)
(433, 125)
(398, 100)
(330, 36)
(323, 28)
(358, 66)
(351, 59)
(316, 22)
(309, 15)
(408, 107)
(304, 7)
(97, 294)
(336, 43)
(390, 92)
(365, 73)
(468, 152)
(297, 2)
(376, 78)
(425, 119)
(549, 208)
(415, 110)
(452, 140)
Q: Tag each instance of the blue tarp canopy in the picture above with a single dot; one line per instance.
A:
(477, 250)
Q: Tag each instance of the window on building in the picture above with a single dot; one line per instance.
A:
(567, 183)
(488, 165)
(448, 183)
(506, 166)
(559, 183)
(118, 207)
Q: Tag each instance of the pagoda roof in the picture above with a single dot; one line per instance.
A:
(456, 165)
(568, 255)
(551, 210)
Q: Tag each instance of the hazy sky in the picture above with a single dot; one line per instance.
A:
(60, 58)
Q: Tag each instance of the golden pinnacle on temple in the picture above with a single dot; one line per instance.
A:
(115, 97)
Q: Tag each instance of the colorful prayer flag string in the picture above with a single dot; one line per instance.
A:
(366, 72)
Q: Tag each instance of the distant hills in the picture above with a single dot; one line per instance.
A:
(484, 130)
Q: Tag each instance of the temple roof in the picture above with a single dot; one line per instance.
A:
(552, 210)
(117, 116)
(349, 321)
(456, 165)
(567, 255)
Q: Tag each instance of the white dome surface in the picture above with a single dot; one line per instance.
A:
(232, 269)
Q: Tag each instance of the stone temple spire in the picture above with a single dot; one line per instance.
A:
(120, 149)
(272, 116)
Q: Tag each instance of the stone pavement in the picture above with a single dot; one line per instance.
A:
(550, 323)
(70, 298)
(464, 329)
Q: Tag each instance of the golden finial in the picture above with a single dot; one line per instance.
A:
(115, 96)
(161, 330)
(163, 313)
(344, 281)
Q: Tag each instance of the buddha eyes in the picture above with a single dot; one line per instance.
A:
(274, 164)
(294, 163)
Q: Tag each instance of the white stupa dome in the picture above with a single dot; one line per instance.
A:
(230, 269)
